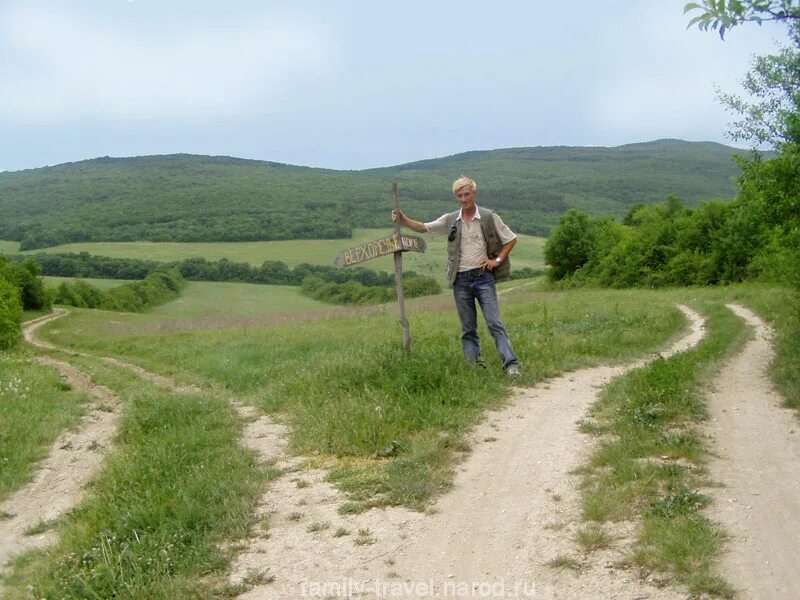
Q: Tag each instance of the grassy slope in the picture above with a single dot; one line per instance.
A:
(194, 194)
(357, 366)
(205, 299)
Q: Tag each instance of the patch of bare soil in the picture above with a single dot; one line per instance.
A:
(513, 509)
(758, 447)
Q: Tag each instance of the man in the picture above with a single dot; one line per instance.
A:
(477, 253)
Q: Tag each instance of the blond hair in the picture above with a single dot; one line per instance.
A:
(464, 181)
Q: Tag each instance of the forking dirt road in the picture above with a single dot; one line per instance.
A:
(514, 505)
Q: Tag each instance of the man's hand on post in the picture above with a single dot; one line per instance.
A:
(398, 216)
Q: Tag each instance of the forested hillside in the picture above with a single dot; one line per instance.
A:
(203, 198)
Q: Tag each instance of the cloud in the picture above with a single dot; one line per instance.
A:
(662, 81)
(67, 65)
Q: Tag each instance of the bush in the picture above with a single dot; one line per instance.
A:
(355, 292)
(10, 314)
(157, 288)
(27, 276)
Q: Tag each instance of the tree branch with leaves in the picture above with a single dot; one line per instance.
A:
(723, 15)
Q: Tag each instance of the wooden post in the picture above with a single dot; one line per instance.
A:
(398, 276)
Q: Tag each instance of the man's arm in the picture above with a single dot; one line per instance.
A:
(491, 264)
(418, 226)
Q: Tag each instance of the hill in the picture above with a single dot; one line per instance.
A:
(189, 198)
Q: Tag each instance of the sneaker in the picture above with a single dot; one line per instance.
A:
(513, 370)
(478, 364)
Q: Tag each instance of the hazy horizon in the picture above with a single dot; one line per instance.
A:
(356, 85)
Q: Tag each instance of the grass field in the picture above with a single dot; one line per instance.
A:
(8, 247)
(207, 304)
(211, 299)
(346, 388)
(527, 253)
(103, 284)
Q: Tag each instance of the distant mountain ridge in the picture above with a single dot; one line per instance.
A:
(183, 197)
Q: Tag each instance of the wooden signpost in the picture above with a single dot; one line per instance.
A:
(394, 244)
(388, 245)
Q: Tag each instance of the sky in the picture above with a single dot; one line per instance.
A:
(357, 84)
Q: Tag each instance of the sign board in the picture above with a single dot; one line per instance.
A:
(382, 247)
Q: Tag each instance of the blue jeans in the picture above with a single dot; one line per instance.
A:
(479, 285)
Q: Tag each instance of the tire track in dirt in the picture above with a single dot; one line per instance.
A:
(513, 508)
(75, 457)
(758, 446)
(58, 483)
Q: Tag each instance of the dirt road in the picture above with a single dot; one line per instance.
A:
(73, 458)
(514, 507)
(758, 463)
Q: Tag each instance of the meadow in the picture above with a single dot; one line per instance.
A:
(151, 525)
(208, 300)
(102, 284)
(527, 253)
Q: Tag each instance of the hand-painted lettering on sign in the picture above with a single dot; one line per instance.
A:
(382, 247)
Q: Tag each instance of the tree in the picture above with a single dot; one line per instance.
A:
(773, 80)
(570, 244)
(774, 83)
(10, 314)
(722, 15)
(767, 210)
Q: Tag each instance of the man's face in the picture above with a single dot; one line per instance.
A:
(466, 197)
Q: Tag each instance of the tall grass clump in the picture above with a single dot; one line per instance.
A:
(648, 464)
(176, 485)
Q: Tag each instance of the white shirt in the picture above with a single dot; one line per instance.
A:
(472, 253)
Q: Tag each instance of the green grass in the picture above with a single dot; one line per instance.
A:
(103, 284)
(7, 247)
(349, 390)
(593, 537)
(177, 484)
(35, 407)
(204, 299)
(527, 253)
(205, 305)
